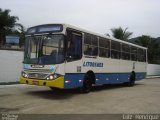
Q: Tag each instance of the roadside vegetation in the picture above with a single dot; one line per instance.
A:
(9, 26)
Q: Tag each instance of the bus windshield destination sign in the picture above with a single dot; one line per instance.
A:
(49, 28)
(45, 28)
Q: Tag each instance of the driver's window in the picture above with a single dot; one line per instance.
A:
(74, 45)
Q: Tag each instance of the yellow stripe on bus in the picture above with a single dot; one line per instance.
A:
(59, 82)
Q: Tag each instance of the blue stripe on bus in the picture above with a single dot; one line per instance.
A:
(73, 80)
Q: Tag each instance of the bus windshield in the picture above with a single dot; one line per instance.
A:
(44, 49)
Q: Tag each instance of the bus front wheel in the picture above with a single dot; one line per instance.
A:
(87, 84)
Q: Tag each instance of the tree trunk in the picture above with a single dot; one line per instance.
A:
(2, 37)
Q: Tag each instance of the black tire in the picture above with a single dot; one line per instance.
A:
(87, 84)
(131, 82)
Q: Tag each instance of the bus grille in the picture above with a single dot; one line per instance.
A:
(37, 75)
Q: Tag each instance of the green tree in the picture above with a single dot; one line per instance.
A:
(20, 31)
(6, 24)
(144, 41)
(151, 44)
(120, 33)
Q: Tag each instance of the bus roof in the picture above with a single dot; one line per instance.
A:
(86, 31)
(100, 35)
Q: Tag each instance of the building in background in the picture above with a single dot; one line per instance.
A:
(12, 42)
(12, 39)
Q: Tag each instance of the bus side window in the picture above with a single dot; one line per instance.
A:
(90, 45)
(133, 53)
(115, 50)
(95, 51)
(141, 55)
(88, 50)
(125, 52)
(104, 47)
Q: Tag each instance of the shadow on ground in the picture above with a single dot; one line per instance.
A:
(115, 86)
(69, 93)
(51, 94)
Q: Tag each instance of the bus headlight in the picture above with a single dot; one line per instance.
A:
(25, 75)
(53, 76)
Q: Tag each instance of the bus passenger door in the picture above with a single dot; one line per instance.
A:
(73, 57)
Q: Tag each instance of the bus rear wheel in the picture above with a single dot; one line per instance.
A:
(131, 82)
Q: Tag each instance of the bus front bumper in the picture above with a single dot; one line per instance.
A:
(58, 83)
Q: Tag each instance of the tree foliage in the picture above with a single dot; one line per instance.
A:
(6, 23)
(144, 41)
(121, 33)
(20, 30)
(152, 45)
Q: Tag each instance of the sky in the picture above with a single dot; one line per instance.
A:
(142, 17)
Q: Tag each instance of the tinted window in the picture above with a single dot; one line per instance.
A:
(103, 42)
(141, 55)
(90, 45)
(115, 45)
(115, 50)
(87, 39)
(133, 53)
(125, 52)
(104, 47)
(94, 40)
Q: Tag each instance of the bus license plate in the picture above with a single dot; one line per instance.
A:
(35, 82)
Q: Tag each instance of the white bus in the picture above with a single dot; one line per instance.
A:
(63, 56)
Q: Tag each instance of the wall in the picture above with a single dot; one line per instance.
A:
(10, 65)
(153, 69)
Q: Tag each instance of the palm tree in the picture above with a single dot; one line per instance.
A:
(120, 33)
(6, 23)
